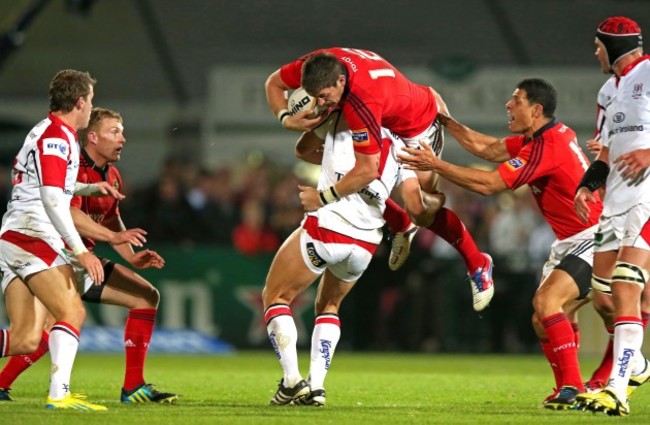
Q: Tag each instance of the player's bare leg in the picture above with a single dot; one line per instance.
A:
(126, 288)
(57, 289)
(557, 336)
(26, 317)
(288, 276)
(325, 336)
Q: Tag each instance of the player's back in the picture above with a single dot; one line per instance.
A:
(48, 157)
(378, 94)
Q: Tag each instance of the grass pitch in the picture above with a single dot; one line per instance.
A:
(361, 388)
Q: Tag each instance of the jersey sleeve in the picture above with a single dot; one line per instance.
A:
(527, 165)
(82, 177)
(114, 209)
(53, 156)
(514, 145)
(363, 120)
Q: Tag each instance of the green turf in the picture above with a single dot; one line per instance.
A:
(361, 389)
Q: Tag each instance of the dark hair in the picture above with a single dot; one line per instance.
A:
(320, 71)
(67, 87)
(97, 115)
(541, 92)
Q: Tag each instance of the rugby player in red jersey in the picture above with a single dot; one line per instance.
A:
(544, 155)
(372, 94)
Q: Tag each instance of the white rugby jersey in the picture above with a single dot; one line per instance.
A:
(48, 157)
(359, 215)
(605, 95)
(626, 128)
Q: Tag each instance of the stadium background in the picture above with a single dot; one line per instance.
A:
(204, 155)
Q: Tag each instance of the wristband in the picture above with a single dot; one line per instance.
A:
(329, 195)
(595, 176)
(283, 115)
(77, 251)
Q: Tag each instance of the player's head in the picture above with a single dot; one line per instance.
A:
(324, 77)
(104, 138)
(72, 91)
(616, 37)
(540, 92)
(531, 106)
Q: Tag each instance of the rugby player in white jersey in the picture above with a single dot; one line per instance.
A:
(336, 241)
(38, 241)
(622, 249)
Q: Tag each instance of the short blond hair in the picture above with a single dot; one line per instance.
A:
(97, 115)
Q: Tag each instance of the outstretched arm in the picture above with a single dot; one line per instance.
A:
(479, 181)
(484, 146)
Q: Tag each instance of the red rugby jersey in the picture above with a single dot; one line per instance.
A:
(102, 208)
(377, 95)
(552, 164)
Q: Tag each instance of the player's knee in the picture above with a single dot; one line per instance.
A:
(537, 325)
(155, 297)
(75, 315)
(544, 304)
(625, 272)
(604, 306)
(150, 298)
(25, 342)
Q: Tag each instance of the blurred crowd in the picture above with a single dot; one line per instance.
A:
(253, 206)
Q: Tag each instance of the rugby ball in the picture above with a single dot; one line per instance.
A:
(300, 100)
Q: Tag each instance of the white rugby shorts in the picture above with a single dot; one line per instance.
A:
(347, 258)
(22, 255)
(581, 245)
(630, 228)
(434, 136)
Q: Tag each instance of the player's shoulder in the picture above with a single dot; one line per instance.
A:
(114, 171)
(55, 132)
(607, 91)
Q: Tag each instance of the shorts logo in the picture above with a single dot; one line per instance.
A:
(515, 163)
(314, 258)
(361, 137)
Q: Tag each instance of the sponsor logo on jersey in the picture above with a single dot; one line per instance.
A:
(56, 147)
(369, 193)
(515, 163)
(314, 258)
(625, 129)
(619, 117)
(361, 137)
(350, 62)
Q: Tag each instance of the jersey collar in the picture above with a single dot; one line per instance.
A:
(545, 127)
(58, 121)
(103, 171)
(629, 68)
